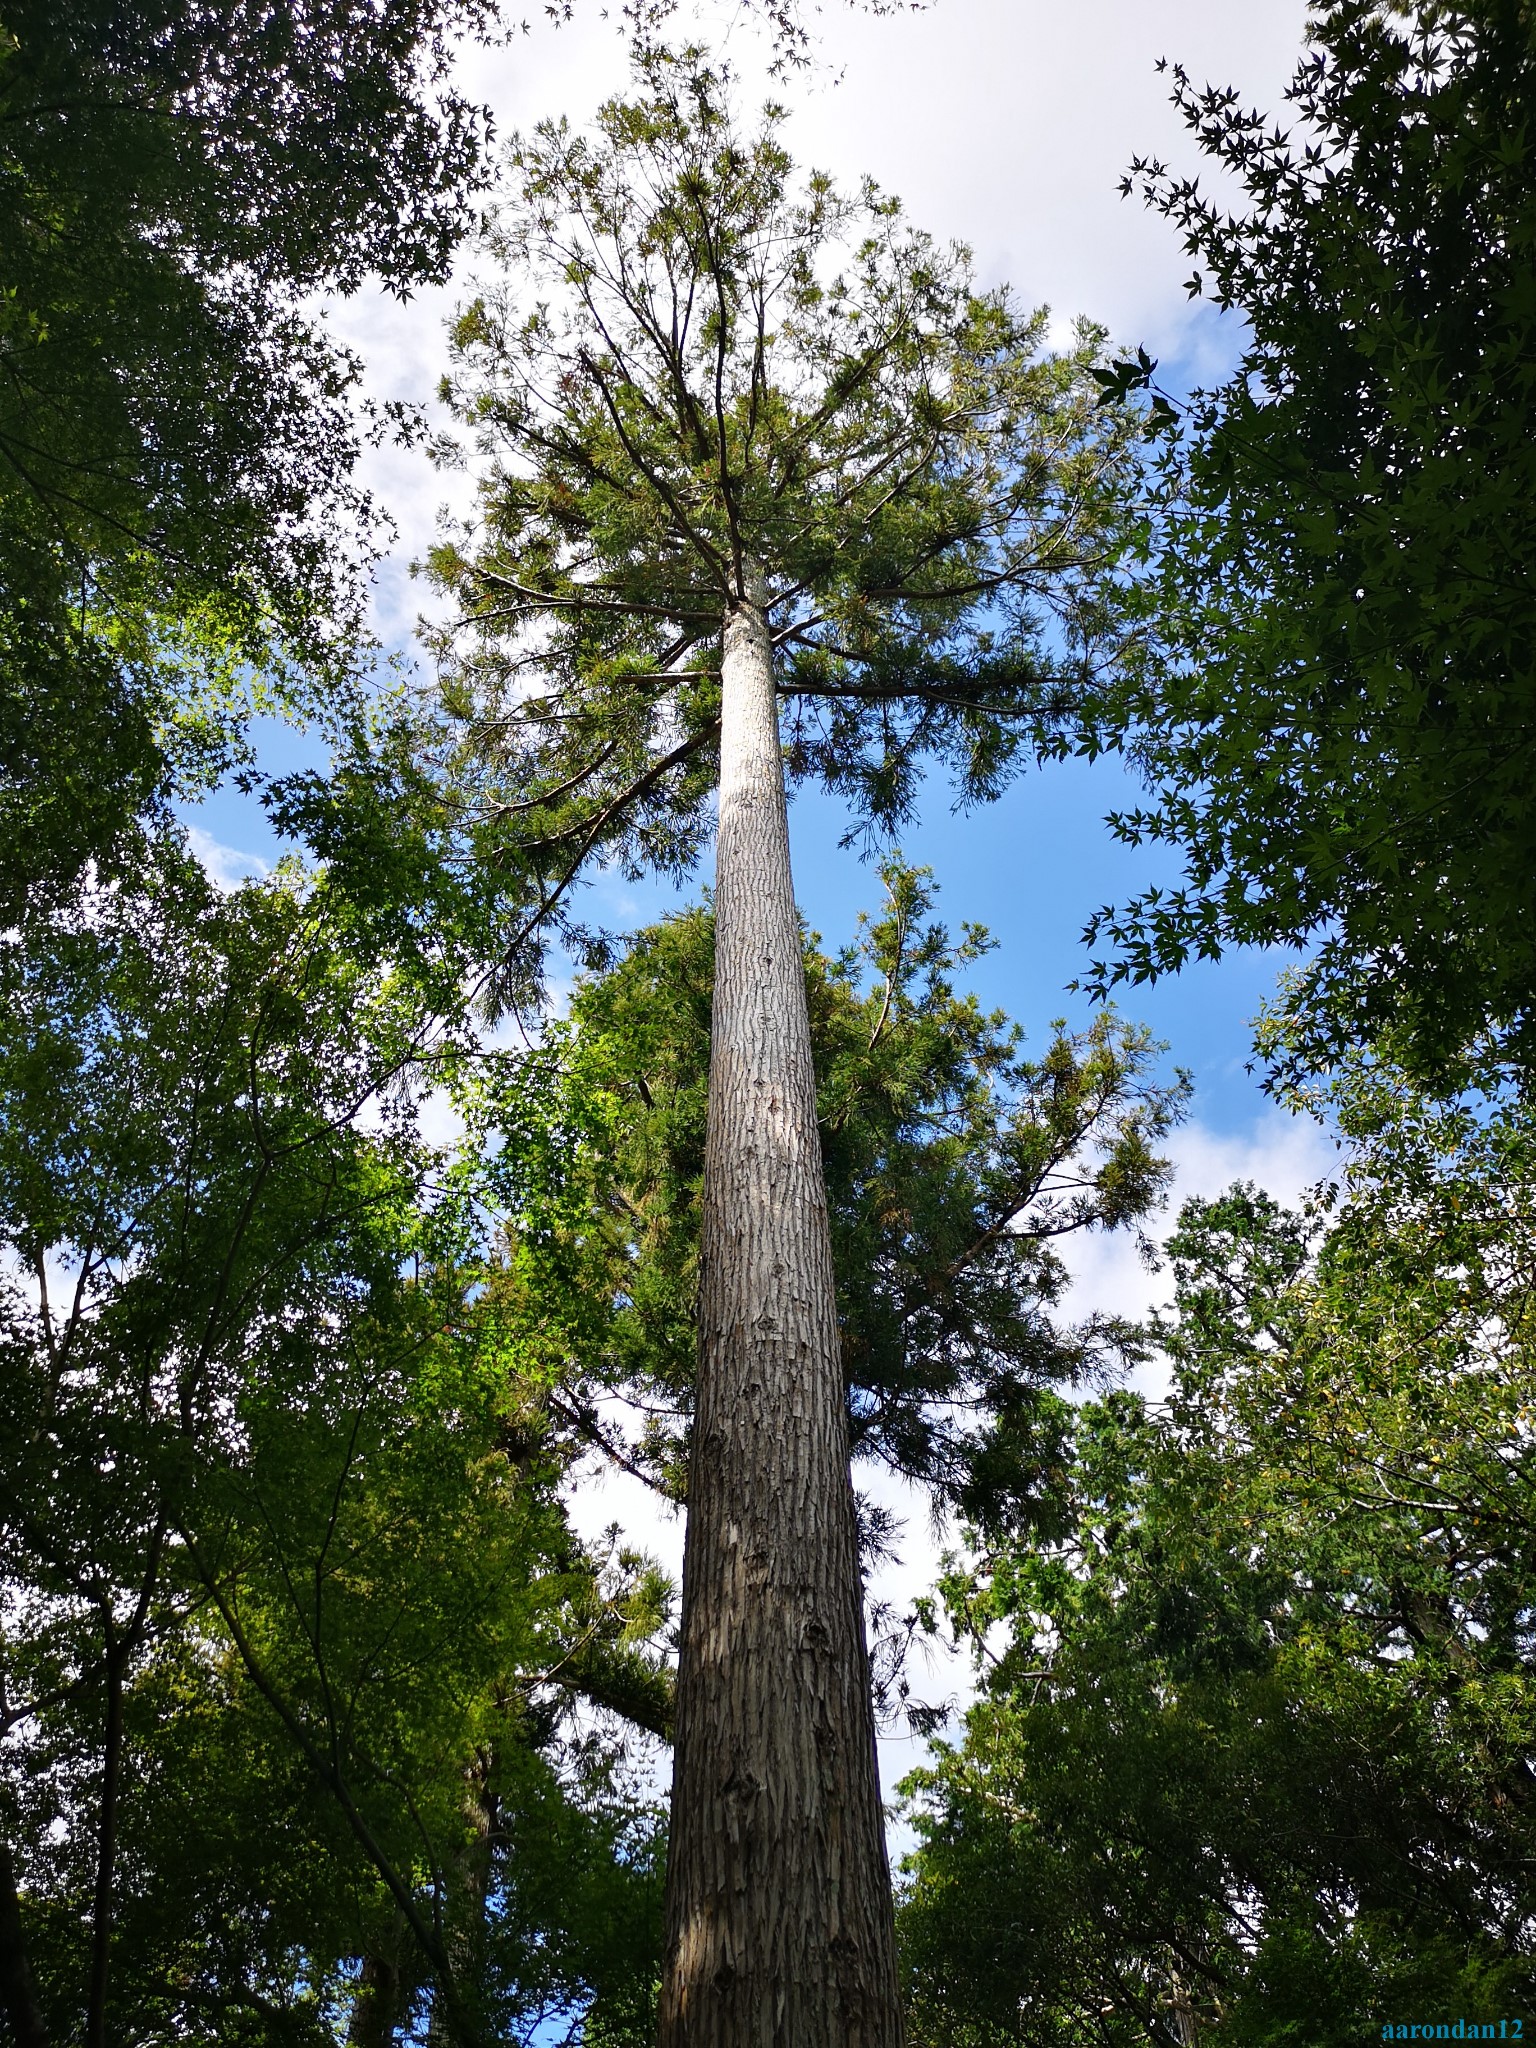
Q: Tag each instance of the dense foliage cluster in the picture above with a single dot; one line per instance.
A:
(1253, 1755)
(955, 1167)
(1338, 723)
(176, 445)
(262, 1475)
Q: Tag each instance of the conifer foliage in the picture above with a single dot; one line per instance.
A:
(692, 370)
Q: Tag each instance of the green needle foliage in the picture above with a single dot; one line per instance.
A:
(1339, 732)
(955, 1166)
(700, 371)
(1256, 1758)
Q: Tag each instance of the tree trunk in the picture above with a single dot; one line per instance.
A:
(779, 1923)
(18, 1993)
(106, 1847)
(1184, 2024)
(376, 2007)
(469, 1884)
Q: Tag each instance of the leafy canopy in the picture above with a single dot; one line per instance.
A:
(176, 435)
(267, 1507)
(1254, 1756)
(1338, 723)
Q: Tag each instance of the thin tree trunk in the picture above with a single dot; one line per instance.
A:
(1184, 2023)
(779, 1924)
(106, 1849)
(469, 1877)
(18, 1993)
(376, 2008)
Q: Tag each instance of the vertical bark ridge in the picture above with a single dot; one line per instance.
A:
(106, 1847)
(779, 1925)
(469, 1885)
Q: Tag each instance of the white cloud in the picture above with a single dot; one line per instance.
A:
(604, 1494)
(940, 1672)
(437, 1120)
(1008, 124)
(225, 866)
(1283, 1154)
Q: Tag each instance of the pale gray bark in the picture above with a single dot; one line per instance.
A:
(779, 1922)
(106, 1846)
(1184, 2022)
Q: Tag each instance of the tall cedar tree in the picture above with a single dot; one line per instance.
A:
(721, 469)
(1339, 735)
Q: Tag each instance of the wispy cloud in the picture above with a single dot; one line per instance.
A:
(226, 866)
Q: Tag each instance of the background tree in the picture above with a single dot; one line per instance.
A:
(271, 1530)
(1255, 1756)
(176, 443)
(179, 179)
(1338, 726)
(721, 468)
(955, 1169)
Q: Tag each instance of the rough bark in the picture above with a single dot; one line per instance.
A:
(18, 1993)
(779, 1922)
